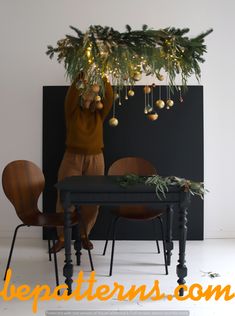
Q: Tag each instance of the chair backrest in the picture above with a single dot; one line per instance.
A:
(136, 165)
(23, 182)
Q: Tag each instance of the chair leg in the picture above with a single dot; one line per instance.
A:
(164, 244)
(56, 265)
(155, 232)
(113, 245)
(49, 249)
(12, 248)
(107, 237)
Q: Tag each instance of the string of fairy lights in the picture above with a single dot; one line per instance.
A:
(103, 54)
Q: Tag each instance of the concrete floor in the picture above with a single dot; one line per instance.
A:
(134, 263)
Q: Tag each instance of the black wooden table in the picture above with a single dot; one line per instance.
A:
(105, 190)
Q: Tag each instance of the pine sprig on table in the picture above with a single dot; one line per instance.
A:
(162, 184)
(130, 179)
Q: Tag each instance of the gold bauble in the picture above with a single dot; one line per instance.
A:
(170, 102)
(95, 88)
(152, 116)
(97, 98)
(137, 76)
(116, 96)
(113, 122)
(99, 105)
(160, 77)
(147, 89)
(160, 104)
(131, 93)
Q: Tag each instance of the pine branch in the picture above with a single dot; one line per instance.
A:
(115, 54)
(162, 184)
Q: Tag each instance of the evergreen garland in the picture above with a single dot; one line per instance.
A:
(162, 184)
(103, 51)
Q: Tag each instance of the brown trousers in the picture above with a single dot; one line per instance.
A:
(76, 165)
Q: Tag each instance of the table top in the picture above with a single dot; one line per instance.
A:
(106, 184)
(106, 190)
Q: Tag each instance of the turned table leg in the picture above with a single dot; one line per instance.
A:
(68, 267)
(169, 242)
(183, 211)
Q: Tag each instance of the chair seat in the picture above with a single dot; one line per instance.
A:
(50, 219)
(137, 212)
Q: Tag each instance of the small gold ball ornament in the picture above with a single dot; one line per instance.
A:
(147, 89)
(160, 77)
(131, 93)
(170, 102)
(95, 88)
(160, 104)
(152, 116)
(116, 96)
(137, 76)
(99, 105)
(97, 98)
(113, 122)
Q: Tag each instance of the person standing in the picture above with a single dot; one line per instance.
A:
(84, 118)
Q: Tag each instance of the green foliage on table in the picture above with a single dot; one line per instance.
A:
(162, 184)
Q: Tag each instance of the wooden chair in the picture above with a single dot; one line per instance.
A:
(140, 167)
(23, 182)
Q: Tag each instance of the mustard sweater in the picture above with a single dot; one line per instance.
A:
(84, 128)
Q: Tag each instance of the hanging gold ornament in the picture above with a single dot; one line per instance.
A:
(97, 98)
(170, 102)
(160, 104)
(137, 76)
(95, 88)
(160, 77)
(116, 96)
(99, 105)
(131, 93)
(113, 122)
(152, 116)
(147, 89)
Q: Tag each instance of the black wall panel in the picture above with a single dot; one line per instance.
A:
(173, 143)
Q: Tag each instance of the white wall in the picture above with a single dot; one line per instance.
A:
(28, 26)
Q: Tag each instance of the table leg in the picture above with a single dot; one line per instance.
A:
(68, 267)
(169, 242)
(78, 245)
(183, 211)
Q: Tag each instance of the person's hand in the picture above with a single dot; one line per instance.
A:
(88, 98)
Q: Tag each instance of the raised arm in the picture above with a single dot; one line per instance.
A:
(71, 103)
(107, 100)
